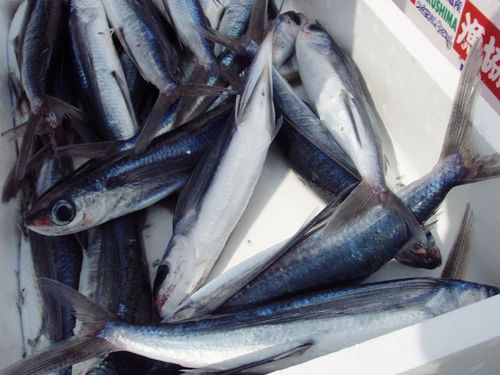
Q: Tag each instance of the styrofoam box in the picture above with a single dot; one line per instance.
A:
(412, 85)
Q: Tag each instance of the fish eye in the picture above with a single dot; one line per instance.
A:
(63, 212)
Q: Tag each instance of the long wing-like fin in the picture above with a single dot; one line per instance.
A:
(457, 259)
(255, 359)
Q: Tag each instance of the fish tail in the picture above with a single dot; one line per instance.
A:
(460, 118)
(85, 345)
(457, 142)
(60, 355)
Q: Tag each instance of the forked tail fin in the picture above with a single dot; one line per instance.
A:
(84, 346)
(476, 167)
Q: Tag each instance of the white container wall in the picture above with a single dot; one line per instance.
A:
(412, 85)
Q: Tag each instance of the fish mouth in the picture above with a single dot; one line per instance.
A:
(302, 19)
(161, 294)
(297, 18)
(422, 257)
(311, 28)
(36, 221)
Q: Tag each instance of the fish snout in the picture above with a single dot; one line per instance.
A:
(297, 18)
(161, 275)
(310, 28)
(36, 219)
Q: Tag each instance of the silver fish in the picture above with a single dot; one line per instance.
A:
(41, 26)
(189, 19)
(336, 88)
(100, 73)
(235, 18)
(122, 183)
(141, 36)
(218, 192)
(263, 339)
(320, 257)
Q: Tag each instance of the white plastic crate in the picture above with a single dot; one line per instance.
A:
(412, 85)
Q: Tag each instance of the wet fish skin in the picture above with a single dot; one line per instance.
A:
(328, 179)
(100, 74)
(291, 106)
(287, 26)
(340, 101)
(313, 325)
(42, 24)
(234, 20)
(142, 37)
(84, 191)
(219, 190)
(352, 252)
(38, 41)
(349, 256)
(331, 260)
(338, 92)
(213, 10)
(313, 166)
(189, 19)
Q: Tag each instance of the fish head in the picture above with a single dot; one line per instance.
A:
(65, 210)
(313, 37)
(426, 255)
(170, 288)
(466, 293)
(291, 22)
(285, 32)
(177, 276)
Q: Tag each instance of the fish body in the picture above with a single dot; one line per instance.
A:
(352, 252)
(189, 19)
(333, 84)
(321, 259)
(305, 122)
(100, 74)
(102, 190)
(305, 320)
(269, 337)
(115, 248)
(37, 46)
(219, 190)
(287, 26)
(235, 19)
(314, 167)
(213, 10)
(14, 36)
(142, 37)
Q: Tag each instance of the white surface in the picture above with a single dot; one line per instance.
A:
(412, 85)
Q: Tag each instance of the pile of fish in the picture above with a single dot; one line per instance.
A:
(120, 104)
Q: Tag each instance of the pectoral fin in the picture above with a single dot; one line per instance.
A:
(255, 359)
